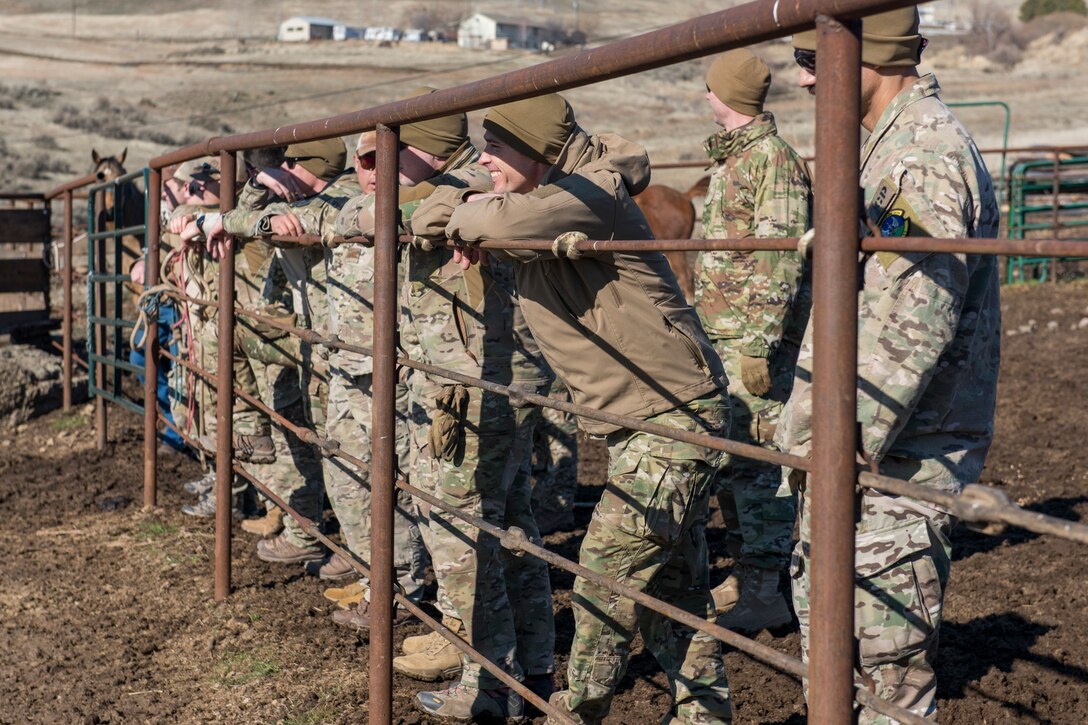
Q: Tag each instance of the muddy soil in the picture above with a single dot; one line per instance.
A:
(108, 614)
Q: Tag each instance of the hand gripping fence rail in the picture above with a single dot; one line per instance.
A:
(833, 688)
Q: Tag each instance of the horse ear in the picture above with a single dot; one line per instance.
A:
(121, 158)
(95, 156)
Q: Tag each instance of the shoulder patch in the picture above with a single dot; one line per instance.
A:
(895, 224)
(881, 200)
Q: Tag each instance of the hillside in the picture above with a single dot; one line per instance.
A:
(153, 75)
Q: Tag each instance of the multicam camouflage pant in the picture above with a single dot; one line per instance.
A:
(758, 510)
(295, 476)
(256, 347)
(648, 531)
(349, 422)
(555, 464)
(246, 419)
(504, 600)
(902, 562)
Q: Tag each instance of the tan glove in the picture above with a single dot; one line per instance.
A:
(755, 373)
(564, 245)
(445, 432)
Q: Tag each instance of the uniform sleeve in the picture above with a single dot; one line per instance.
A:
(574, 204)
(907, 323)
(782, 207)
(437, 195)
(347, 219)
(253, 197)
(431, 216)
(253, 223)
(905, 326)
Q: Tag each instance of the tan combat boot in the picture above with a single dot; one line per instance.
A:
(439, 660)
(420, 642)
(760, 605)
(268, 525)
(340, 594)
(726, 594)
(463, 703)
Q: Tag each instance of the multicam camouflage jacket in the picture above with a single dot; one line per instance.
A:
(305, 267)
(759, 188)
(460, 319)
(929, 324)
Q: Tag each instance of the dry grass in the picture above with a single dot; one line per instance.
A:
(194, 70)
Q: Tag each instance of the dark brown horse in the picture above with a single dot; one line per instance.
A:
(671, 215)
(126, 197)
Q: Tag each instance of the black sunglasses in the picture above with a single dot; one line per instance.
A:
(806, 59)
(367, 160)
(292, 160)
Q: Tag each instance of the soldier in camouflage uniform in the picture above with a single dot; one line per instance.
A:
(313, 174)
(616, 329)
(928, 354)
(478, 443)
(754, 306)
(201, 276)
(349, 285)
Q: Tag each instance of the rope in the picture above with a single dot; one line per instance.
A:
(148, 302)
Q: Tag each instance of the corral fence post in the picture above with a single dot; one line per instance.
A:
(383, 468)
(224, 393)
(831, 489)
(66, 313)
(96, 332)
(153, 182)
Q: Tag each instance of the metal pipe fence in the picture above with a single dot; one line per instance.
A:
(513, 538)
(832, 685)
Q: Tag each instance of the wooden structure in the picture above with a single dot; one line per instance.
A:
(24, 266)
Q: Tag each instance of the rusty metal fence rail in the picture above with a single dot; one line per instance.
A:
(832, 685)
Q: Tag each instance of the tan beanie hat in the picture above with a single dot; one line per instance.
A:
(368, 141)
(198, 170)
(887, 39)
(439, 136)
(740, 80)
(538, 127)
(324, 159)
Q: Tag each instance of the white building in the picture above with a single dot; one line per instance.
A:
(482, 30)
(382, 34)
(303, 28)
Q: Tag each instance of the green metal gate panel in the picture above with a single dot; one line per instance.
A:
(107, 331)
(1046, 195)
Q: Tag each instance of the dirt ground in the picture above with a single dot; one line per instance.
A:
(108, 614)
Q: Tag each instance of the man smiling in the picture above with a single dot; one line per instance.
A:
(617, 330)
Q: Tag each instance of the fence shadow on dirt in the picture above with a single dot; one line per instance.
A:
(1007, 639)
(967, 542)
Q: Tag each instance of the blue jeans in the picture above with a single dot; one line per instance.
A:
(167, 318)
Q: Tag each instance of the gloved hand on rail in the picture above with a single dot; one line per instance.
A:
(755, 373)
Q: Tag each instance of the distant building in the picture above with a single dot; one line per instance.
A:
(301, 29)
(944, 17)
(487, 31)
(382, 34)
